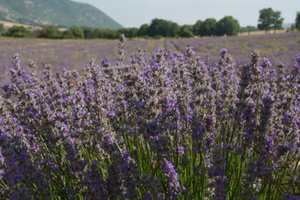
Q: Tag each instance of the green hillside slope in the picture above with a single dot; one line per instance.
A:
(64, 13)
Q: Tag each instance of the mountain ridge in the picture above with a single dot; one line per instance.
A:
(61, 13)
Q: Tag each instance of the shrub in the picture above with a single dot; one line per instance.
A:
(50, 32)
(2, 29)
(77, 32)
(18, 31)
(68, 34)
(158, 37)
(187, 34)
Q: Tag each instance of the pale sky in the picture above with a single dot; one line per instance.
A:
(134, 13)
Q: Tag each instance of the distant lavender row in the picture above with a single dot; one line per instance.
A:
(75, 54)
(169, 46)
(276, 47)
(68, 54)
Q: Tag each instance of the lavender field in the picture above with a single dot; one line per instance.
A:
(159, 125)
(75, 54)
(276, 47)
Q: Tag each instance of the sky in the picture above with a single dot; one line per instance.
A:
(134, 13)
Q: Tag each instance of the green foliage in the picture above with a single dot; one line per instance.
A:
(243, 29)
(164, 28)
(196, 27)
(112, 34)
(158, 27)
(129, 32)
(186, 31)
(277, 20)
(298, 21)
(87, 31)
(186, 27)
(18, 31)
(95, 33)
(158, 37)
(252, 28)
(293, 28)
(186, 34)
(248, 29)
(227, 25)
(77, 32)
(104, 34)
(50, 32)
(208, 27)
(172, 29)
(144, 30)
(2, 29)
(68, 34)
(133, 32)
(269, 19)
(265, 19)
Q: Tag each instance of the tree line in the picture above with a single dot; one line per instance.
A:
(158, 28)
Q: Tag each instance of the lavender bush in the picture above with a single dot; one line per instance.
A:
(164, 126)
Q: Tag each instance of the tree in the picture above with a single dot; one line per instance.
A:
(293, 28)
(208, 27)
(68, 34)
(87, 31)
(112, 34)
(95, 33)
(2, 29)
(298, 21)
(186, 31)
(18, 31)
(265, 19)
(164, 28)
(249, 28)
(227, 25)
(172, 29)
(186, 34)
(77, 32)
(49, 31)
(158, 27)
(269, 19)
(243, 29)
(133, 32)
(144, 30)
(196, 27)
(105, 34)
(277, 20)
(129, 32)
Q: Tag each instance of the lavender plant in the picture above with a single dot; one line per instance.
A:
(163, 126)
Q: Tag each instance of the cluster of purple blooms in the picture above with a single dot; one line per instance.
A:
(164, 126)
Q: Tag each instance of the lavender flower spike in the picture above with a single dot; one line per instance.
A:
(15, 60)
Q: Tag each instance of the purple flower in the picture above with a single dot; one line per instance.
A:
(147, 196)
(298, 59)
(189, 52)
(126, 155)
(181, 150)
(15, 60)
(105, 62)
(111, 113)
(122, 38)
(223, 52)
(172, 176)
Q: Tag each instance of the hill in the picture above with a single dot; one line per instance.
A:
(61, 13)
